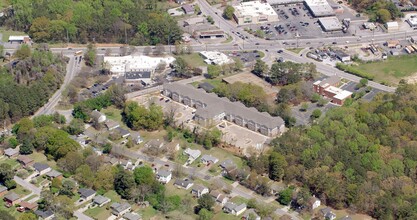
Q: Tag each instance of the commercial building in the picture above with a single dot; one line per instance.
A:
(392, 26)
(342, 56)
(284, 2)
(254, 12)
(215, 57)
(136, 68)
(188, 9)
(212, 109)
(369, 25)
(330, 24)
(328, 89)
(211, 34)
(319, 8)
(20, 39)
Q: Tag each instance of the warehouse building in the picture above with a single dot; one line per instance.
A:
(319, 8)
(215, 58)
(330, 24)
(211, 109)
(284, 2)
(392, 26)
(254, 12)
(211, 34)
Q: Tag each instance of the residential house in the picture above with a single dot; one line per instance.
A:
(163, 176)
(119, 209)
(314, 202)
(212, 109)
(132, 216)
(54, 174)
(3, 190)
(111, 125)
(136, 138)
(86, 194)
(25, 160)
(228, 166)
(128, 165)
(155, 143)
(41, 168)
(184, 184)
(219, 197)
(123, 132)
(234, 209)
(11, 153)
(45, 215)
(100, 200)
(192, 155)
(188, 9)
(250, 214)
(327, 213)
(100, 117)
(208, 160)
(199, 190)
(27, 206)
(12, 198)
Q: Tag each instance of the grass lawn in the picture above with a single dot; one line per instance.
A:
(172, 190)
(223, 216)
(239, 200)
(30, 197)
(76, 197)
(391, 70)
(112, 113)
(98, 212)
(295, 50)
(12, 210)
(6, 33)
(148, 212)
(194, 59)
(21, 191)
(111, 194)
(12, 162)
(41, 158)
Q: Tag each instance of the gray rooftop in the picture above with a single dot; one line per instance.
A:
(40, 166)
(2, 189)
(227, 163)
(330, 23)
(12, 196)
(53, 173)
(319, 8)
(132, 216)
(99, 199)
(230, 205)
(11, 151)
(44, 214)
(138, 75)
(206, 86)
(163, 173)
(120, 207)
(122, 131)
(86, 192)
(183, 183)
(330, 81)
(96, 114)
(216, 106)
(199, 188)
(206, 157)
(188, 8)
(192, 153)
(240, 207)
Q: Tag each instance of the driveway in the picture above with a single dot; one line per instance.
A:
(80, 215)
(28, 186)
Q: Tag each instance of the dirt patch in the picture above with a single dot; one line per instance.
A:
(411, 79)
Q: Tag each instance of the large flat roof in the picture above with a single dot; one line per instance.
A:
(135, 63)
(319, 8)
(217, 106)
(253, 9)
(283, 2)
(330, 24)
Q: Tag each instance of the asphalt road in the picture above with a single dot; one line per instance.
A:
(49, 107)
(27, 185)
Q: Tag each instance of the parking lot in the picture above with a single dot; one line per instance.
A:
(247, 57)
(303, 117)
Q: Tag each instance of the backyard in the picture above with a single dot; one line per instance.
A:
(391, 70)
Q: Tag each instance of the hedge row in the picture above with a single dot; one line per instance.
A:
(352, 70)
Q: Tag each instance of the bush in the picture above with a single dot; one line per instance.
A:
(352, 70)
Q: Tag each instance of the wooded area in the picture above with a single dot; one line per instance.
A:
(137, 22)
(362, 157)
(27, 83)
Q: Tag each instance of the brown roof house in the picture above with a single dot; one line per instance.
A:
(25, 160)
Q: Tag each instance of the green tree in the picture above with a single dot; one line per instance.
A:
(182, 68)
(205, 214)
(90, 55)
(206, 202)
(62, 206)
(23, 52)
(75, 127)
(285, 196)
(144, 175)
(304, 106)
(84, 175)
(277, 165)
(383, 15)
(124, 183)
(27, 216)
(260, 68)
(39, 30)
(213, 71)
(316, 113)
(315, 98)
(4, 215)
(228, 12)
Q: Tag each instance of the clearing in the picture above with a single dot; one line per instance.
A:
(391, 70)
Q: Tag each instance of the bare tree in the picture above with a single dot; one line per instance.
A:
(170, 116)
(178, 171)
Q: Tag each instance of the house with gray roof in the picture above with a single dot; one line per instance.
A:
(86, 194)
(208, 159)
(54, 174)
(41, 168)
(163, 176)
(234, 209)
(184, 184)
(219, 197)
(211, 109)
(119, 209)
(192, 155)
(327, 213)
(100, 117)
(123, 132)
(199, 190)
(132, 216)
(3, 190)
(111, 125)
(11, 153)
(45, 215)
(100, 200)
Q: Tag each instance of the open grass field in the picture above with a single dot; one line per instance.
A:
(112, 113)
(194, 59)
(391, 70)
